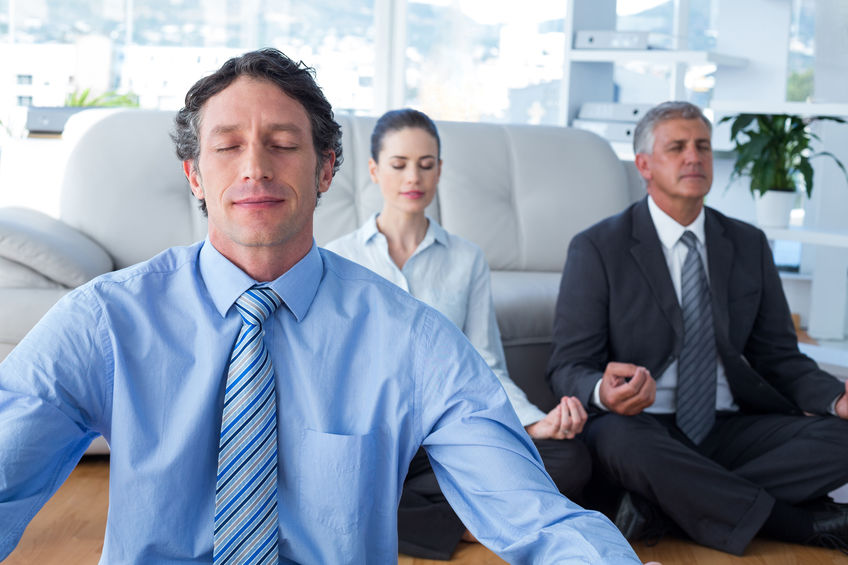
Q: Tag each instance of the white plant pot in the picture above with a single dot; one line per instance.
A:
(774, 207)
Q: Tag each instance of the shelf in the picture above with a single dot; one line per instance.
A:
(831, 238)
(655, 56)
(725, 107)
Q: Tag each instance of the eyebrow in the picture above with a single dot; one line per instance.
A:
(404, 157)
(284, 127)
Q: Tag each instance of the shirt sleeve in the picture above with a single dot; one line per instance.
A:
(487, 466)
(52, 401)
(481, 329)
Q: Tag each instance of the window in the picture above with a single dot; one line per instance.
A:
(24, 79)
(24, 100)
(158, 48)
(478, 60)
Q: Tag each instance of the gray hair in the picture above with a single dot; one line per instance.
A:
(643, 137)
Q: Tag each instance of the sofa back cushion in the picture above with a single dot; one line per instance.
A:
(124, 186)
(519, 192)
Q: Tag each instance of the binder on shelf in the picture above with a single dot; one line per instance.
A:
(613, 111)
(610, 39)
(610, 130)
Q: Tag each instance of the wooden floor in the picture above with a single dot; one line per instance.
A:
(69, 531)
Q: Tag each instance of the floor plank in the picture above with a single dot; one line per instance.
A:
(69, 531)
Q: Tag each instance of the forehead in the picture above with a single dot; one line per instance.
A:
(681, 129)
(250, 103)
(409, 140)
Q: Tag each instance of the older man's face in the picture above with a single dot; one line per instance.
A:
(258, 169)
(681, 165)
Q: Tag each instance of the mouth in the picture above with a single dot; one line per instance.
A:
(257, 202)
(413, 194)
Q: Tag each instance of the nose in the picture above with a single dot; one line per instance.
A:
(691, 153)
(256, 163)
(412, 175)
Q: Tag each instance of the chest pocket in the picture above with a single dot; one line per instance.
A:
(336, 475)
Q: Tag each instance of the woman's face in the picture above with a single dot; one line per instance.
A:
(407, 170)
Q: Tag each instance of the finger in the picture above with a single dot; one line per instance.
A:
(575, 426)
(578, 414)
(565, 424)
(624, 370)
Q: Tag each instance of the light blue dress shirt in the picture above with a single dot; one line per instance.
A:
(451, 275)
(364, 373)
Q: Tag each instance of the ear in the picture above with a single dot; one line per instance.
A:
(372, 170)
(643, 164)
(193, 179)
(439, 171)
(326, 175)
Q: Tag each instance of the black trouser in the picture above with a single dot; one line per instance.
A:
(429, 528)
(721, 492)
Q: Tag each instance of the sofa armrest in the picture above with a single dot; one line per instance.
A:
(47, 247)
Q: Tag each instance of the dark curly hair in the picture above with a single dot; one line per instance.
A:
(295, 79)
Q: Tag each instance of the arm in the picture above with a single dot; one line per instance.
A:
(771, 346)
(488, 468)
(481, 329)
(581, 330)
(52, 399)
(580, 363)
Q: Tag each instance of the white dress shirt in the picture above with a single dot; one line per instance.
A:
(450, 274)
(674, 250)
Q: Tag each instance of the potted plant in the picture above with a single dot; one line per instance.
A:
(776, 154)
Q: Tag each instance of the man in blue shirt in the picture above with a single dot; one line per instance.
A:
(362, 373)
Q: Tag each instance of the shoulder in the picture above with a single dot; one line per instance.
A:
(358, 290)
(151, 276)
(345, 244)
(612, 230)
(732, 228)
(460, 249)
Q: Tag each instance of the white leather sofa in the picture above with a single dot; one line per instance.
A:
(519, 192)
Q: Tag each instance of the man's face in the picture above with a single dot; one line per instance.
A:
(681, 165)
(257, 169)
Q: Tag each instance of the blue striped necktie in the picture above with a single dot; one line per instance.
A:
(696, 371)
(246, 491)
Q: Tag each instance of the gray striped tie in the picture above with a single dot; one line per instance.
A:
(246, 490)
(696, 371)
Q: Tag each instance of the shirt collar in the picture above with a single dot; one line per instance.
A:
(226, 282)
(669, 231)
(435, 232)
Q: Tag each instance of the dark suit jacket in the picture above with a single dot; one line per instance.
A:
(617, 303)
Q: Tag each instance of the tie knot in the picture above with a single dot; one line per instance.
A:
(689, 240)
(257, 303)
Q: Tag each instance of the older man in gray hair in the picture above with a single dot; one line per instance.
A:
(673, 328)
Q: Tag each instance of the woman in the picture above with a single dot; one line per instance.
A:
(449, 273)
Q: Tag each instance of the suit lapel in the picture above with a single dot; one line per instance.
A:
(719, 262)
(648, 253)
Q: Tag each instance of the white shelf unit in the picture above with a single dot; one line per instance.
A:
(725, 107)
(829, 288)
(588, 73)
(656, 56)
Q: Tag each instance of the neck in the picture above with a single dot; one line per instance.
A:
(263, 263)
(402, 230)
(684, 211)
